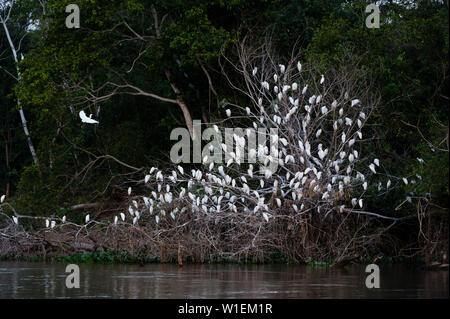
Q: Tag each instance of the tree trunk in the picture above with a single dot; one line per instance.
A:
(22, 114)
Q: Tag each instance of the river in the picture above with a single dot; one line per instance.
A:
(48, 280)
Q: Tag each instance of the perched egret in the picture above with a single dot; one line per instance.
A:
(377, 162)
(354, 102)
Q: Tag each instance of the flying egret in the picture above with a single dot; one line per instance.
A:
(86, 119)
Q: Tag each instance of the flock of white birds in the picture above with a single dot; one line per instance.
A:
(319, 169)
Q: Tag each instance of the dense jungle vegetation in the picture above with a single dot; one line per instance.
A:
(143, 68)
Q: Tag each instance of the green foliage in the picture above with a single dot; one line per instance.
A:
(36, 192)
(406, 57)
(405, 62)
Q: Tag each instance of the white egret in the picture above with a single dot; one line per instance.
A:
(86, 219)
(377, 162)
(86, 119)
(354, 102)
(2, 199)
(304, 89)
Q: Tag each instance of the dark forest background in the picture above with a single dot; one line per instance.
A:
(406, 58)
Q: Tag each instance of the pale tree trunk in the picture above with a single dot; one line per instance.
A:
(183, 106)
(180, 101)
(22, 114)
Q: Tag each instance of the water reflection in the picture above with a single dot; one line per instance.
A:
(44, 280)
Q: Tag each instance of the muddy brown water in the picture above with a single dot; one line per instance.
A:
(48, 280)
